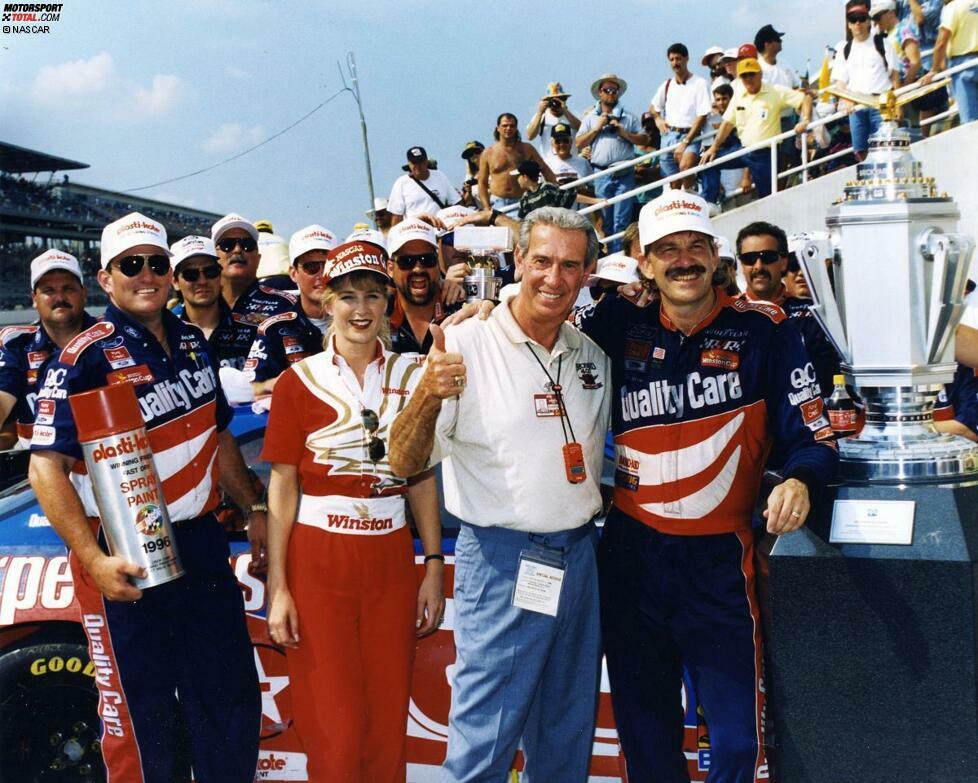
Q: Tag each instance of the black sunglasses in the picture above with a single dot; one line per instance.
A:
(375, 448)
(247, 244)
(131, 266)
(209, 272)
(857, 18)
(407, 263)
(312, 268)
(764, 256)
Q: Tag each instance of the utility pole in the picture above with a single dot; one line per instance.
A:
(351, 66)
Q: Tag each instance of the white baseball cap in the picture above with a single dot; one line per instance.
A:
(674, 210)
(191, 246)
(371, 235)
(274, 255)
(725, 249)
(226, 223)
(879, 6)
(730, 54)
(314, 237)
(128, 232)
(380, 205)
(452, 215)
(616, 267)
(50, 260)
(407, 230)
(709, 53)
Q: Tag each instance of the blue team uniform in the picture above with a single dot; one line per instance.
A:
(188, 636)
(250, 311)
(958, 400)
(282, 340)
(694, 420)
(227, 339)
(24, 350)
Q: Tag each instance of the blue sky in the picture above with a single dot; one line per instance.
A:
(152, 90)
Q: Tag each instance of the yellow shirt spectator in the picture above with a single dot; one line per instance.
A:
(960, 18)
(758, 117)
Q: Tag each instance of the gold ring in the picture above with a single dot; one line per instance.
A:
(459, 380)
(795, 514)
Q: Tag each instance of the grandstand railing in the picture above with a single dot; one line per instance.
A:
(771, 144)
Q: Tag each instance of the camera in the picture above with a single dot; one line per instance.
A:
(556, 105)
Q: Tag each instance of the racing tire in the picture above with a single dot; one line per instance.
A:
(49, 724)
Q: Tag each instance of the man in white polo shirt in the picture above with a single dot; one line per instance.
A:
(680, 107)
(521, 425)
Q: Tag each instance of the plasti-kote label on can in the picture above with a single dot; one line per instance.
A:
(126, 484)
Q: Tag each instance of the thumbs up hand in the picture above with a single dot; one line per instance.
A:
(444, 374)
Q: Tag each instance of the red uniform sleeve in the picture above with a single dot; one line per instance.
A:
(285, 435)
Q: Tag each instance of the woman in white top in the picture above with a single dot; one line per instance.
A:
(344, 598)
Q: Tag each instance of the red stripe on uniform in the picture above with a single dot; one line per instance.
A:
(192, 474)
(183, 428)
(746, 538)
(120, 749)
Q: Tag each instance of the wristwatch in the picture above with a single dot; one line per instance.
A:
(256, 508)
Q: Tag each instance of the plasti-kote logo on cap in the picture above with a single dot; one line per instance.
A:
(679, 203)
(138, 226)
(317, 234)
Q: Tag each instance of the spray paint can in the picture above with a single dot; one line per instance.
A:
(127, 487)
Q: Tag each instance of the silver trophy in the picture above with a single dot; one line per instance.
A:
(899, 273)
(483, 244)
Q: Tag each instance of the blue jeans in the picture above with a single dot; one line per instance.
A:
(522, 674)
(862, 125)
(710, 179)
(667, 161)
(616, 217)
(965, 86)
(759, 163)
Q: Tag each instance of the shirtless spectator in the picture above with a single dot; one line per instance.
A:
(422, 191)
(496, 188)
(551, 112)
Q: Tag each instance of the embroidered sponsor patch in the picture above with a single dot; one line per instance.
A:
(137, 375)
(717, 357)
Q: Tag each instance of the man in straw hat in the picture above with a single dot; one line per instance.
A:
(551, 110)
(612, 133)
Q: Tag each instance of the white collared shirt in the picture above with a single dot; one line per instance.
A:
(504, 464)
(681, 104)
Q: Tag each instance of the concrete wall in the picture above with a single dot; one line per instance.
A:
(950, 157)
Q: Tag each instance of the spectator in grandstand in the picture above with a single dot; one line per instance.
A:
(236, 243)
(471, 154)
(197, 276)
(264, 227)
(903, 34)
(762, 249)
(755, 113)
(58, 294)
(423, 190)
(957, 42)
(551, 111)
(177, 665)
(712, 58)
(767, 41)
(496, 188)
(730, 174)
(925, 16)
(680, 107)
(729, 64)
(867, 63)
(290, 337)
(562, 161)
(341, 563)
(381, 217)
(612, 132)
(537, 194)
(525, 670)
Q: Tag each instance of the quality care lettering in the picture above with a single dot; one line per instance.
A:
(105, 676)
(166, 396)
(660, 398)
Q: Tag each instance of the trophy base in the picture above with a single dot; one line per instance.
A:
(940, 458)
(874, 663)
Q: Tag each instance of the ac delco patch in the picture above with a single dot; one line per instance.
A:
(36, 358)
(137, 375)
(811, 410)
(119, 358)
(716, 357)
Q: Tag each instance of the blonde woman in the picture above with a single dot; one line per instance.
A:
(343, 596)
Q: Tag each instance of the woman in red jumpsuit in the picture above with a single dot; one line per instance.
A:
(343, 594)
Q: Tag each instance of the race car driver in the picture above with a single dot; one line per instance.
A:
(705, 386)
(58, 294)
(174, 664)
(291, 336)
(236, 242)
